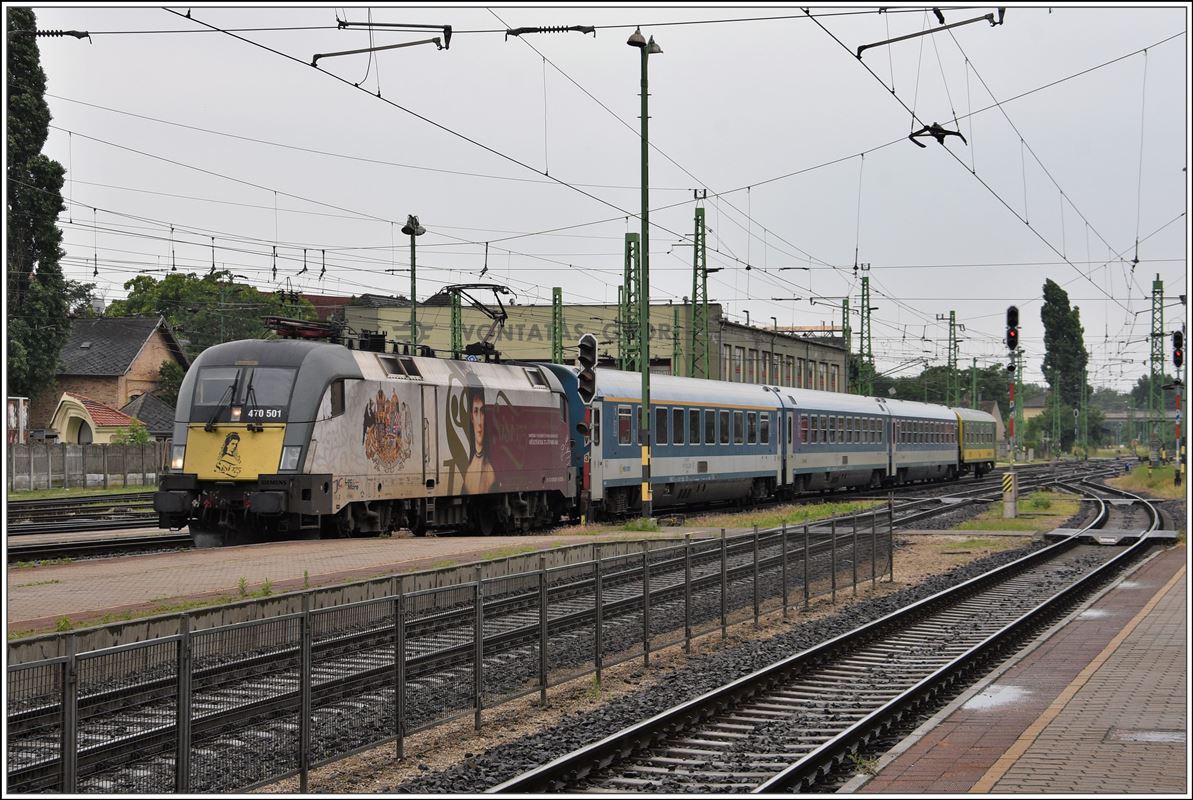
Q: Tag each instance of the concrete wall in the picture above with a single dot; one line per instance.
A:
(46, 466)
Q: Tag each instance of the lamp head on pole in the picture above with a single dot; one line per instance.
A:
(637, 39)
(412, 228)
(652, 48)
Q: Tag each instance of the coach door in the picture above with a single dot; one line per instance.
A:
(430, 437)
(788, 448)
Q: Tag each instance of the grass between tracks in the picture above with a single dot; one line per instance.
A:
(71, 494)
(1039, 512)
(1156, 482)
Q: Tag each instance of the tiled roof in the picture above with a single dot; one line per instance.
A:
(108, 345)
(157, 414)
(380, 301)
(104, 416)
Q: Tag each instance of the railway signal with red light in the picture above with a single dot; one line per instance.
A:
(1178, 349)
(587, 357)
(1012, 327)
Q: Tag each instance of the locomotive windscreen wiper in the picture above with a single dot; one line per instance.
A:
(250, 402)
(229, 393)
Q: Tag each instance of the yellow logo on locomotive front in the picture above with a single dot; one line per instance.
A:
(233, 452)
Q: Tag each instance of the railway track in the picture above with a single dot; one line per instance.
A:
(105, 512)
(233, 699)
(789, 726)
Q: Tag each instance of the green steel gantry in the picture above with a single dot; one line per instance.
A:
(698, 335)
(866, 363)
(628, 325)
(557, 324)
(1155, 390)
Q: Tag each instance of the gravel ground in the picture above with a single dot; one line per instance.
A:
(454, 758)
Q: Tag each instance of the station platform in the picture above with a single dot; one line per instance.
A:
(1096, 705)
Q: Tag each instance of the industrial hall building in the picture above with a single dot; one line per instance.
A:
(806, 357)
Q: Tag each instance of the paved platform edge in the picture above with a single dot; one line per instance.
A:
(857, 784)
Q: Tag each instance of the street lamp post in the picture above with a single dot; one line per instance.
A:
(413, 229)
(647, 48)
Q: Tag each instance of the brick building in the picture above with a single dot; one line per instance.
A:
(109, 360)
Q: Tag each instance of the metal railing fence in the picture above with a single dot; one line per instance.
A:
(231, 708)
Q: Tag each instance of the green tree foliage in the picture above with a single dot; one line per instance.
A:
(39, 297)
(136, 433)
(208, 309)
(1065, 356)
(169, 381)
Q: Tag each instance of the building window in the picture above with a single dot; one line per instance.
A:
(727, 362)
(822, 383)
(739, 356)
(790, 377)
(833, 372)
(751, 366)
(799, 376)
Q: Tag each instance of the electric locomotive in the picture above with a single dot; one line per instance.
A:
(283, 439)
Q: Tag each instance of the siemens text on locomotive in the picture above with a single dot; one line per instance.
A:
(280, 439)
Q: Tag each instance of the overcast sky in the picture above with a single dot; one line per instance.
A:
(532, 144)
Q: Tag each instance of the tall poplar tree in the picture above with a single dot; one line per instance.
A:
(1065, 357)
(39, 297)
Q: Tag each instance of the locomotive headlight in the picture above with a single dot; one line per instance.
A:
(289, 458)
(176, 456)
(236, 413)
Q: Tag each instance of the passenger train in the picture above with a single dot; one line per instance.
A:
(292, 438)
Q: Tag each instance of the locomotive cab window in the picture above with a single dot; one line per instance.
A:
(536, 378)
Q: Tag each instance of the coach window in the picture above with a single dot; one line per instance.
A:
(724, 427)
(677, 426)
(710, 427)
(832, 430)
(660, 426)
(693, 427)
(625, 418)
(739, 428)
(751, 427)
(824, 421)
(596, 426)
(803, 428)
(764, 425)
